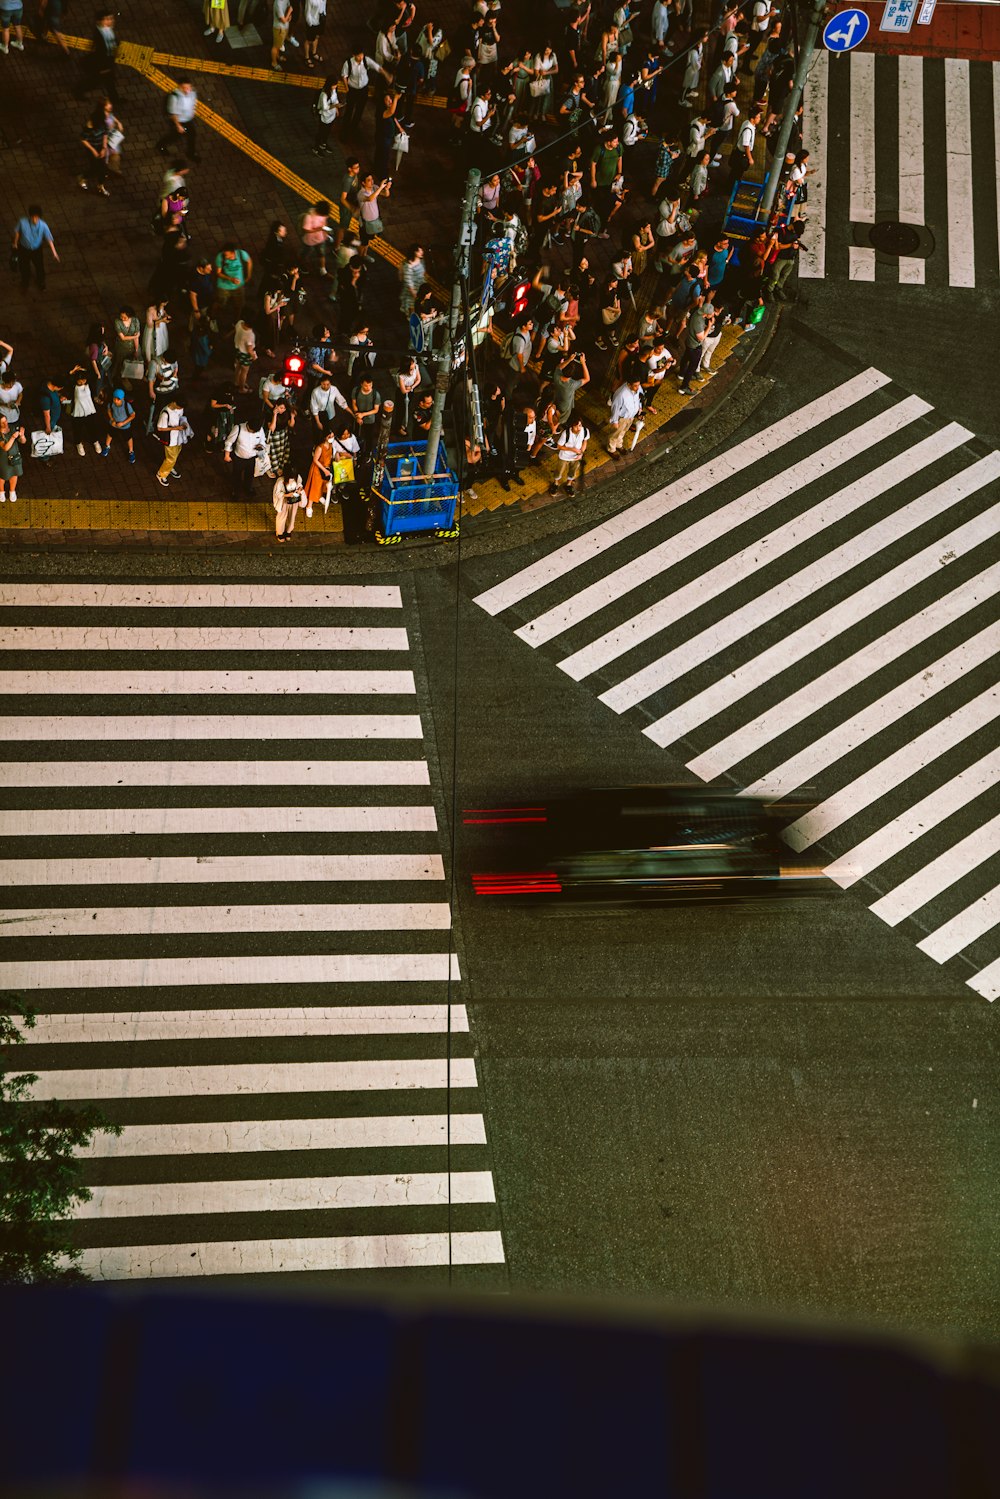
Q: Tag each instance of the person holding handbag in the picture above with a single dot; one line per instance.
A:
(327, 114)
(94, 160)
(127, 330)
(12, 440)
(320, 476)
(287, 497)
(345, 457)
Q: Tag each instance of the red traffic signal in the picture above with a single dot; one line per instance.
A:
(519, 294)
(293, 375)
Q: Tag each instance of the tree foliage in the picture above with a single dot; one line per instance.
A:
(40, 1176)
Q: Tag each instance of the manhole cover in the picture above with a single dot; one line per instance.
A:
(894, 239)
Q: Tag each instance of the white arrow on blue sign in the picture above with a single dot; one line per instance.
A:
(845, 30)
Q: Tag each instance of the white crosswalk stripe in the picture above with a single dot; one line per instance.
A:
(233, 928)
(876, 158)
(819, 623)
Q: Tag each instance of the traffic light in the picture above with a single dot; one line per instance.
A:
(519, 294)
(293, 374)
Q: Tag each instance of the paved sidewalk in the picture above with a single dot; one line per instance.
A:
(256, 130)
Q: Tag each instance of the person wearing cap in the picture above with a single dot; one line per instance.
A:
(287, 496)
(120, 417)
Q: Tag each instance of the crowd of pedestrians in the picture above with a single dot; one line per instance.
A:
(607, 138)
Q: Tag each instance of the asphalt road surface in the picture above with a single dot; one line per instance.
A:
(788, 1107)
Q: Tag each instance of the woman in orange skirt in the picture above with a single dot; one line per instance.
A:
(320, 473)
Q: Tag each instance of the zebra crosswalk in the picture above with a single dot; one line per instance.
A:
(817, 607)
(908, 139)
(226, 903)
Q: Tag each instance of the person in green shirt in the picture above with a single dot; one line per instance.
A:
(605, 166)
(233, 269)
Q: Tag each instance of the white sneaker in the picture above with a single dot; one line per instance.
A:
(208, 31)
(81, 450)
(18, 46)
(294, 41)
(309, 511)
(3, 498)
(220, 36)
(4, 48)
(13, 499)
(98, 448)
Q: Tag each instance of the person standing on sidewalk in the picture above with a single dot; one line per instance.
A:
(233, 268)
(11, 16)
(31, 235)
(245, 352)
(327, 111)
(83, 410)
(287, 497)
(120, 417)
(181, 132)
(356, 73)
(694, 339)
(172, 429)
(244, 445)
(281, 21)
(571, 453)
(626, 404)
(12, 440)
(216, 17)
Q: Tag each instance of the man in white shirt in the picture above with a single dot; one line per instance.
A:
(626, 404)
(323, 404)
(181, 132)
(244, 445)
(355, 73)
(571, 450)
(481, 113)
(741, 157)
(760, 24)
(659, 22)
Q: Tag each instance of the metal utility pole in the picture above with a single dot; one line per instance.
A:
(791, 105)
(446, 364)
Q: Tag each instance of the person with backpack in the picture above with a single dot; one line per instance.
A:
(517, 352)
(233, 268)
(244, 445)
(327, 113)
(181, 132)
(120, 417)
(571, 452)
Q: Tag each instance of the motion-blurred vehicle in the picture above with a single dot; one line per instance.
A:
(638, 844)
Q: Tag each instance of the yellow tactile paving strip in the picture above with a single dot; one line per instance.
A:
(154, 514)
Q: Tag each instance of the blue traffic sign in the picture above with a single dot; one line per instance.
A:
(845, 30)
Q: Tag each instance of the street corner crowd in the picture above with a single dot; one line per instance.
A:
(607, 140)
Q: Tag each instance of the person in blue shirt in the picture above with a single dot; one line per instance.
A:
(31, 235)
(120, 416)
(718, 260)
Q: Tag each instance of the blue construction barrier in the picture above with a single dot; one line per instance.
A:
(409, 504)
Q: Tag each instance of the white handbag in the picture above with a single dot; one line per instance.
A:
(47, 444)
